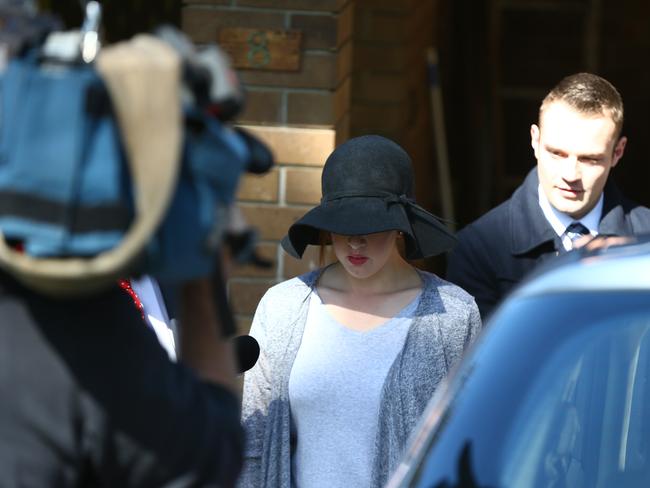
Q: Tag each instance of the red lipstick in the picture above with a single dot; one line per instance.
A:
(357, 260)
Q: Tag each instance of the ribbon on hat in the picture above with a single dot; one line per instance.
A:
(401, 199)
(416, 217)
(407, 204)
(389, 198)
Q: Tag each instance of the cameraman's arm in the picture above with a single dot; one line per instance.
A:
(202, 346)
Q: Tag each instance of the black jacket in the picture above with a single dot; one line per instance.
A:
(89, 398)
(497, 250)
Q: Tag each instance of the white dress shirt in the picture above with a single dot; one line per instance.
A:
(155, 312)
(560, 221)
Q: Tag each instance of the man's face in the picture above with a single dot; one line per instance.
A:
(575, 153)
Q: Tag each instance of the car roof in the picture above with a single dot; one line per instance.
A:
(622, 267)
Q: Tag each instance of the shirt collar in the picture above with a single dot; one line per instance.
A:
(560, 221)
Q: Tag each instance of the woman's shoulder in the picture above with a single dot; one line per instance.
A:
(280, 306)
(447, 290)
(296, 286)
(461, 318)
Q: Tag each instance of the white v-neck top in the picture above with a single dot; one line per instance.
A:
(335, 391)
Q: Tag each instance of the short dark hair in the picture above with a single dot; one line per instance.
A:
(588, 94)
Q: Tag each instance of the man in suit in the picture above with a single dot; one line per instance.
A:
(577, 142)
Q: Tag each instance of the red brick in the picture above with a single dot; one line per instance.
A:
(303, 185)
(415, 143)
(245, 295)
(207, 2)
(261, 107)
(260, 188)
(345, 26)
(323, 5)
(383, 87)
(380, 58)
(268, 251)
(419, 25)
(343, 129)
(310, 108)
(389, 5)
(318, 31)
(272, 222)
(342, 99)
(379, 117)
(316, 71)
(380, 26)
(344, 62)
(360, 130)
(293, 145)
(202, 24)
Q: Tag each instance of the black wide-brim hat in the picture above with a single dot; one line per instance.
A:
(367, 187)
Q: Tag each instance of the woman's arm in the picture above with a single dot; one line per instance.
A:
(256, 401)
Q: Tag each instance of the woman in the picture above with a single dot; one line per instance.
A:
(352, 353)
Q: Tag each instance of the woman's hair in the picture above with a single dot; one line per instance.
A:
(324, 241)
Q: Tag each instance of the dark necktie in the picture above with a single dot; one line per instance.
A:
(575, 231)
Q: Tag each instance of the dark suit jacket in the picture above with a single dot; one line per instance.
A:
(89, 398)
(497, 250)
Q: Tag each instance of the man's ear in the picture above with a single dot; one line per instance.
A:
(534, 139)
(619, 149)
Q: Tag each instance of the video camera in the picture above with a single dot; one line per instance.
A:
(116, 160)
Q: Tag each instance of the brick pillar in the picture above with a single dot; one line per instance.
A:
(272, 202)
(389, 86)
(362, 71)
(299, 114)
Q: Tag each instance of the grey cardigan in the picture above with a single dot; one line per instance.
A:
(444, 323)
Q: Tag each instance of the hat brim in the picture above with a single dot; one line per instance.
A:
(425, 234)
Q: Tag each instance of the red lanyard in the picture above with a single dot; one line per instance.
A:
(126, 286)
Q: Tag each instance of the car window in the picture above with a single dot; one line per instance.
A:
(550, 397)
(584, 422)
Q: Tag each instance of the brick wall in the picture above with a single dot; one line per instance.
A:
(272, 202)
(294, 112)
(306, 97)
(389, 94)
(362, 71)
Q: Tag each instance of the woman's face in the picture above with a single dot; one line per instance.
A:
(363, 256)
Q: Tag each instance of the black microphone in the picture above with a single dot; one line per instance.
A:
(247, 350)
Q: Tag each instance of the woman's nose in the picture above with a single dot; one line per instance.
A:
(356, 242)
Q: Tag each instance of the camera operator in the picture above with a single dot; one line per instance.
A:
(89, 398)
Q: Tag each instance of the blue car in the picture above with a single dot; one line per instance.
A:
(556, 392)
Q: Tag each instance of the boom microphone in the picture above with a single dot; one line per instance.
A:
(247, 350)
